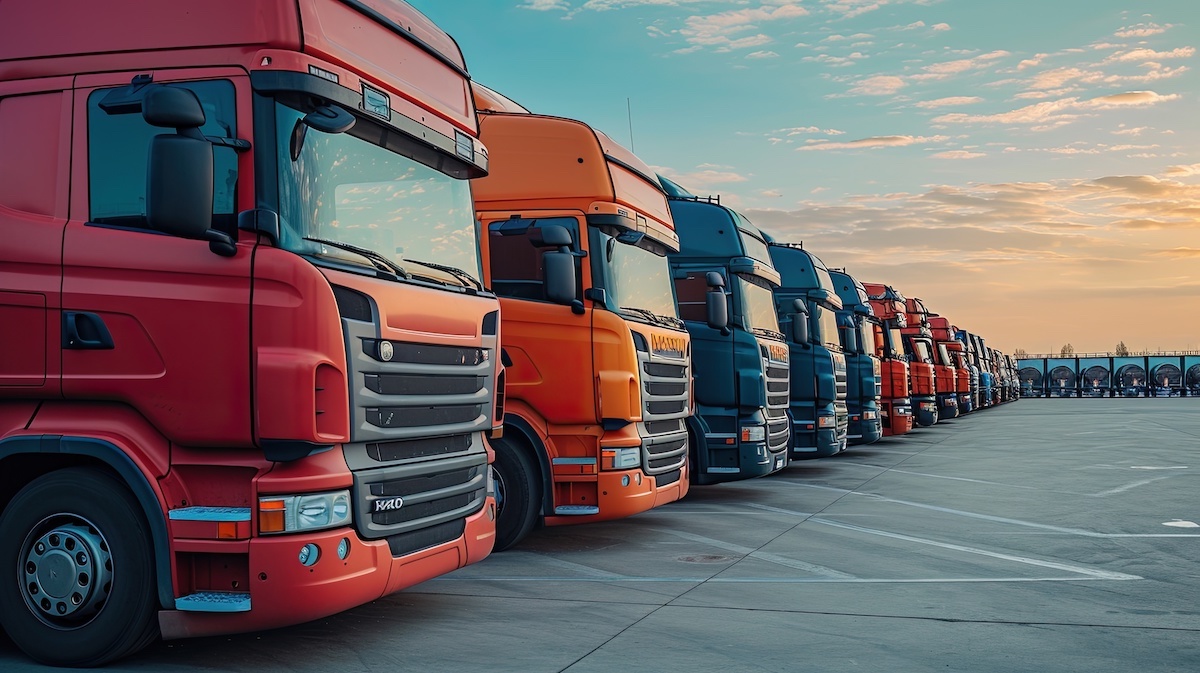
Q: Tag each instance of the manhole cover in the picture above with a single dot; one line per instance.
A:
(707, 558)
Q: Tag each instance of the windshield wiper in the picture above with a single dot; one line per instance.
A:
(452, 270)
(652, 316)
(376, 258)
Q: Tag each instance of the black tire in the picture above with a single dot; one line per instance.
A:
(87, 512)
(519, 492)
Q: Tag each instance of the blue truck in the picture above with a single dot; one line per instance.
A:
(723, 287)
(863, 368)
(820, 417)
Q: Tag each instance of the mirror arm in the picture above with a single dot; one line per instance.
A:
(220, 243)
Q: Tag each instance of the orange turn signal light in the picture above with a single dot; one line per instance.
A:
(271, 516)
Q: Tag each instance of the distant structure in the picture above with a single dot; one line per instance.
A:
(1141, 374)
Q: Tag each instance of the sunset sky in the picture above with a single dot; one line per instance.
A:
(1030, 169)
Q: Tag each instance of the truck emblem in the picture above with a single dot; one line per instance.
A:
(388, 504)
(777, 353)
(385, 351)
(667, 345)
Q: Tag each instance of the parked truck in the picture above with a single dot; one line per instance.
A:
(231, 397)
(723, 284)
(943, 335)
(923, 346)
(895, 401)
(863, 370)
(575, 232)
(820, 416)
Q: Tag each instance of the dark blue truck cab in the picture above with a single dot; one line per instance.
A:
(741, 427)
(820, 418)
(863, 370)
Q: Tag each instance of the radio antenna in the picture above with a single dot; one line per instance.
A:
(629, 112)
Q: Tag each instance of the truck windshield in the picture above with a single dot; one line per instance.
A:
(637, 279)
(895, 343)
(866, 336)
(921, 349)
(345, 189)
(758, 308)
(826, 329)
(944, 355)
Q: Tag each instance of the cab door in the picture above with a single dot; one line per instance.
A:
(150, 320)
(35, 134)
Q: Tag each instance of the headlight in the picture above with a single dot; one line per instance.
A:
(754, 433)
(869, 415)
(826, 421)
(297, 513)
(622, 459)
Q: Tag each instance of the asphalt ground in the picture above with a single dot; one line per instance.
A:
(1043, 535)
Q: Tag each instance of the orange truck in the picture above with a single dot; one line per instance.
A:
(575, 232)
(248, 367)
(950, 352)
(896, 399)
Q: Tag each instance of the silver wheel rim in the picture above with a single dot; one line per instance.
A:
(65, 570)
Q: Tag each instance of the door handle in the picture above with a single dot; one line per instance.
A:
(85, 331)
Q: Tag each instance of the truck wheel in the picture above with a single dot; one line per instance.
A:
(84, 591)
(518, 493)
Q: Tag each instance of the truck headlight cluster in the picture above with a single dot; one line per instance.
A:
(826, 421)
(754, 433)
(623, 459)
(300, 513)
(869, 415)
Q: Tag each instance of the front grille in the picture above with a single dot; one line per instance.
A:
(668, 478)
(420, 495)
(429, 354)
(411, 417)
(778, 400)
(664, 406)
(386, 452)
(407, 543)
(415, 384)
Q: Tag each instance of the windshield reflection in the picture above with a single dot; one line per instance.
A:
(345, 189)
(638, 278)
(758, 307)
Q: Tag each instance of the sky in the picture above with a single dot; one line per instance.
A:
(1031, 170)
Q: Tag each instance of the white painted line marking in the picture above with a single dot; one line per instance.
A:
(941, 476)
(1180, 523)
(997, 519)
(1127, 487)
(1151, 467)
(566, 565)
(1098, 574)
(761, 555)
(778, 510)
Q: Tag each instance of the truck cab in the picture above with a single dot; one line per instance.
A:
(250, 368)
(895, 401)
(863, 370)
(576, 231)
(925, 346)
(820, 415)
(724, 281)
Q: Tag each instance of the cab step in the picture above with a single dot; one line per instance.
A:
(214, 601)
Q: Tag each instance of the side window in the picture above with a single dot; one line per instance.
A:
(118, 146)
(516, 263)
(691, 294)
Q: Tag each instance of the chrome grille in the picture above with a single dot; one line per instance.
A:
(665, 384)
(778, 401)
(421, 494)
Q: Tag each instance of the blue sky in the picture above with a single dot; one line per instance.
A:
(1019, 165)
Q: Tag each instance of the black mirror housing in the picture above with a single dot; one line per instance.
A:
(716, 308)
(800, 328)
(559, 276)
(552, 236)
(714, 279)
(172, 107)
(179, 190)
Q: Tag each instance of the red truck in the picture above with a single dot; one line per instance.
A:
(248, 369)
(925, 346)
(950, 351)
(895, 402)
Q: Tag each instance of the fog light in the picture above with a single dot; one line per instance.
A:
(309, 554)
(638, 478)
(625, 480)
(344, 548)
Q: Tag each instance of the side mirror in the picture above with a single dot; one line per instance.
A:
(552, 236)
(559, 276)
(179, 189)
(715, 304)
(851, 339)
(799, 306)
(800, 327)
(714, 279)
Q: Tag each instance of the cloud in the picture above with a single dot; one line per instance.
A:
(1179, 253)
(940, 26)
(717, 30)
(945, 102)
(770, 193)
(840, 38)
(1139, 55)
(1182, 171)
(545, 5)
(948, 68)
(852, 8)
(703, 179)
(912, 26)
(958, 154)
(1142, 30)
(879, 85)
(1031, 62)
(1051, 114)
(808, 130)
(1135, 131)
(762, 54)
(872, 142)
(836, 61)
